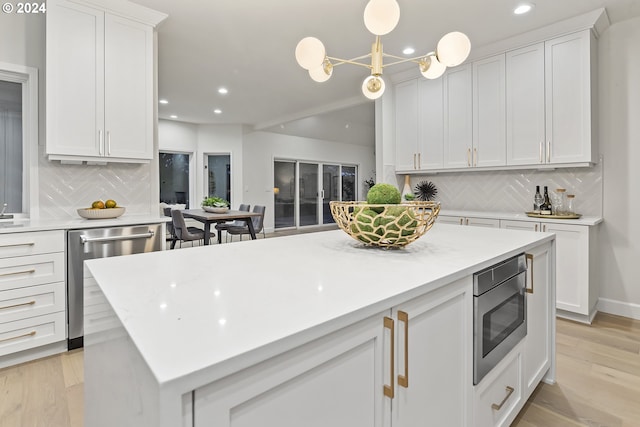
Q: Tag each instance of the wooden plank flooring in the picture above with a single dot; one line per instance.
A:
(598, 383)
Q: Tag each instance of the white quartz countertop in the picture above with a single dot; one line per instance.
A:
(210, 311)
(521, 216)
(21, 225)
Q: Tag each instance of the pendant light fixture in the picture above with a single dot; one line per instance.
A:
(380, 18)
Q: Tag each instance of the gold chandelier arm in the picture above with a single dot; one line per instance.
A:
(352, 61)
(401, 60)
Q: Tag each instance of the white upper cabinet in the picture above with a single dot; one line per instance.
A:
(489, 129)
(568, 91)
(458, 117)
(406, 106)
(99, 85)
(525, 105)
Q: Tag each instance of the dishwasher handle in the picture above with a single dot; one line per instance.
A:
(84, 239)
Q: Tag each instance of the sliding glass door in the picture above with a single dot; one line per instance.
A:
(303, 190)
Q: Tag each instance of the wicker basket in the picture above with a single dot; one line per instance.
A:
(393, 225)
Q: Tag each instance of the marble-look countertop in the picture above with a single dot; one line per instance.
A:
(198, 314)
(521, 216)
(21, 225)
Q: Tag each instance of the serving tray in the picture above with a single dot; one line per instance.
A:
(569, 216)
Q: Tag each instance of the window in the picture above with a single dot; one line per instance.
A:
(19, 138)
(218, 175)
(174, 178)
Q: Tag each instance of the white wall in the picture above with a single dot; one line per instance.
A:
(261, 148)
(619, 54)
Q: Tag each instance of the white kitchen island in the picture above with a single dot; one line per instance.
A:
(309, 330)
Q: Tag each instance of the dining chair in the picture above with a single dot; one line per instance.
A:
(224, 226)
(258, 224)
(170, 229)
(184, 233)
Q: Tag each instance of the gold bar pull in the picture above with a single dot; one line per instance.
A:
(496, 407)
(475, 157)
(529, 257)
(403, 380)
(414, 161)
(548, 151)
(33, 270)
(29, 334)
(17, 244)
(17, 305)
(389, 390)
(536, 227)
(419, 162)
(461, 220)
(468, 156)
(541, 160)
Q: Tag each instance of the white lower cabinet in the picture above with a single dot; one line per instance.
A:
(412, 363)
(473, 221)
(576, 286)
(434, 360)
(502, 393)
(336, 380)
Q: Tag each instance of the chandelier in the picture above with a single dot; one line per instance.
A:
(380, 18)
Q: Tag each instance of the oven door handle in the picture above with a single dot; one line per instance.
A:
(530, 258)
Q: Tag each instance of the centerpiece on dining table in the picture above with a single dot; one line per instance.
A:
(384, 220)
(215, 205)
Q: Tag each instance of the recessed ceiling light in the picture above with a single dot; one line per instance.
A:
(173, 116)
(217, 111)
(523, 8)
(163, 101)
(409, 51)
(223, 91)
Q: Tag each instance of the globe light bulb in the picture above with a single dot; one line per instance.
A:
(310, 53)
(453, 49)
(381, 16)
(373, 87)
(322, 73)
(431, 68)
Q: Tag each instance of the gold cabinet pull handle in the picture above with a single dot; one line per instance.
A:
(33, 270)
(28, 334)
(536, 227)
(414, 161)
(100, 144)
(548, 151)
(403, 380)
(419, 161)
(529, 258)
(544, 227)
(467, 221)
(108, 143)
(475, 157)
(389, 390)
(497, 407)
(18, 305)
(17, 244)
(468, 156)
(461, 220)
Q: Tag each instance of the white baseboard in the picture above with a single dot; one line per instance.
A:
(619, 308)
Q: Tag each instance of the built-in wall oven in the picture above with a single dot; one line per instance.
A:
(499, 313)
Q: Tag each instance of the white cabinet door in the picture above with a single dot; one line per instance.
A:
(489, 126)
(458, 131)
(406, 108)
(128, 88)
(525, 105)
(434, 359)
(430, 124)
(572, 275)
(75, 71)
(537, 353)
(568, 98)
(334, 381)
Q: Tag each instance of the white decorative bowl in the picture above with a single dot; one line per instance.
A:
(101, 213)
(213, 209)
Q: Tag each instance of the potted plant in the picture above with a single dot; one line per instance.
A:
(215, 204)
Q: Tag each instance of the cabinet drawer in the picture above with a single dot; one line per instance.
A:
(22, 303)
(40, 242)
(31, 270)
(496, 398)
(33, 332)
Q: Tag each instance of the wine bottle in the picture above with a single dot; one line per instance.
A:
(545, 208)
(537, 200)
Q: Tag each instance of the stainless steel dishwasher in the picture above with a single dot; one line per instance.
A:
(94, 243)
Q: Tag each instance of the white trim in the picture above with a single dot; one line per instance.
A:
(28, 77)
(619, 308)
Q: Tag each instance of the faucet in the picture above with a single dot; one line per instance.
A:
(3, 215)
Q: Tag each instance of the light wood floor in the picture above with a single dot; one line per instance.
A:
(598, 374)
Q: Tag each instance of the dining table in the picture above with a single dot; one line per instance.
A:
(208, 218)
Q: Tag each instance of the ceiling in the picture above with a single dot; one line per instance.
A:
(248, 47)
